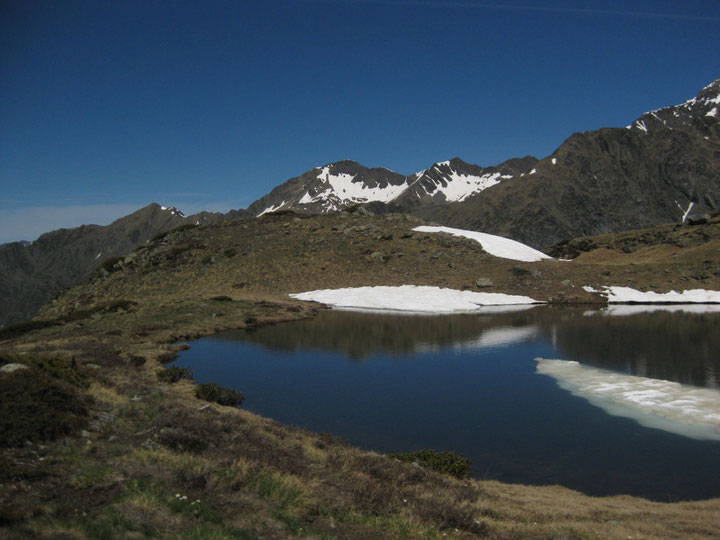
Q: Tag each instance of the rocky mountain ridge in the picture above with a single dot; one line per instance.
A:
(32, 273)
(662, 168)
(339, 185)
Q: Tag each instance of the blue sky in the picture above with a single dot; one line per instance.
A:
(108, 106)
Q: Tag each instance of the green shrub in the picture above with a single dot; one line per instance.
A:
(447, 462)
(36, 406)
(219, 394)
(137, 361)
(174, 373)
(110, 264)
(229, 253)
(184, 227)
(221, 298)
(18, 329)
(180, 228)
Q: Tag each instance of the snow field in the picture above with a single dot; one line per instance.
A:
(412, 298)
(494, 245)
(619, 295)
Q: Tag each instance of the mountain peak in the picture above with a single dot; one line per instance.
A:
(706, 104)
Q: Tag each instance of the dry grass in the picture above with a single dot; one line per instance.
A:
(150, 445)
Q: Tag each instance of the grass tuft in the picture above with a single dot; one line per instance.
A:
(447, 462)
(219, 394)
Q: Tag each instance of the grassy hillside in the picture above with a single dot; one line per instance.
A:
(101, 447)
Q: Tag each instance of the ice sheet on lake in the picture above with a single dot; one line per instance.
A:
(670, 406)
(494, 245)
(413, 298)
(619, 295)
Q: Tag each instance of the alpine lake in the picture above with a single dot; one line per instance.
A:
(471, 383)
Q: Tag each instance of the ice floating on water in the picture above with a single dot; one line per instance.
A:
(494, 245)
(618, 295)
(414, 298)
(670, 406)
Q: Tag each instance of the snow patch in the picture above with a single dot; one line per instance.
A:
(533, 171)
(342, 186)
(413, 298)
(687, 212)
(640, 124)
(554, 161)
(98, 255)
(494, 245)
(271, 209)
(620, 295)
(670, 406)
(460, 186)
(712, 112)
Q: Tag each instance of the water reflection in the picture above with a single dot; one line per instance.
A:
(469, 383)
(360, 335)
(671, 344)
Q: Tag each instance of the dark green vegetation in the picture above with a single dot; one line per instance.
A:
(173, 374)
(133, 453)
(447, 462)
(41, 400)
(218, 394)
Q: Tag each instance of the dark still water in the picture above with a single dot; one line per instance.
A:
(469, 383)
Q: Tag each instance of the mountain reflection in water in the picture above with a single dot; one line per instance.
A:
(469, 383)
(647, 341)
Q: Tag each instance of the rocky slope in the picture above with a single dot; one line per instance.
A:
(662, 168)
(31, 274)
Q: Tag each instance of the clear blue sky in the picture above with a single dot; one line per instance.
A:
(108, 106)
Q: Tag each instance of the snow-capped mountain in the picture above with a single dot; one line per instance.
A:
(346, 183)
(705, 105)
(663, 168)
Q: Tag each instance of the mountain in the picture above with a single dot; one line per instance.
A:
(337, 186)
(31, 274)
(662, 168)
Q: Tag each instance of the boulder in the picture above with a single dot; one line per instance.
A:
(10, 368)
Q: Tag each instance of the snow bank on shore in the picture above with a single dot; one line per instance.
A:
(413, 298)
(670, 406)
(619, 295)
(494, 245)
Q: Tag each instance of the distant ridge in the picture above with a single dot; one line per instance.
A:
(339, 185)
(662, 168)
(31, 274)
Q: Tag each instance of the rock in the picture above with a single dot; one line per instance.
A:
(483, 282)
(565, 283)
(698, 219)
(362, 211)
(11, 368)
(436, 254)
(377, 256)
